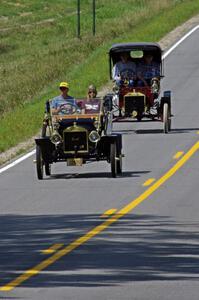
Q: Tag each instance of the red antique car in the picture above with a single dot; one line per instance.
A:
(139, 98)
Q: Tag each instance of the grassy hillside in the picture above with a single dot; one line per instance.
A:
(39, 48)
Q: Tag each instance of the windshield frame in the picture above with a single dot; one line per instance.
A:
(83, 108)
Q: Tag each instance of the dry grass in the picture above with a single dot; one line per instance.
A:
(35, 54)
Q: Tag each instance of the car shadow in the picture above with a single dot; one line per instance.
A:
(90, 175)
(126, 131)
(149, 120)
(183, 130)
(173, 131)
(149, 131)
(6, 298)
(135, 248)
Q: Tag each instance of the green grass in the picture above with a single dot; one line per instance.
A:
(35, 57)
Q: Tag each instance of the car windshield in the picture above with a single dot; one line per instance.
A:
(77, 107)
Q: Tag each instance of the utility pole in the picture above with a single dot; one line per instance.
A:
(94, 17)
(78, 18)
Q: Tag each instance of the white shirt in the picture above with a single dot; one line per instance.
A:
(123, 69)
(59, 100)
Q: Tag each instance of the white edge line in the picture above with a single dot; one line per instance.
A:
(17, 161)
(180, 41)
(14, 163)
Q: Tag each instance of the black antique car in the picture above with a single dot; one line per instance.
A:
(76, 133)
(135, 101)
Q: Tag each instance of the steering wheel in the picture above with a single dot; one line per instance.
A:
(67, 108)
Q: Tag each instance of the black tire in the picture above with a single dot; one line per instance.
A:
(46, 165)
(39, 163)
(169, 124)
(119, 164)
(47, 169)
(166, 118)
(113, 160)
(139, 117)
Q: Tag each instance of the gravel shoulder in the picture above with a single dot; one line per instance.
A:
(165, 43)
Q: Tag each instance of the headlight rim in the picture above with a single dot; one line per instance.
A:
(56, 142)
(94, 140)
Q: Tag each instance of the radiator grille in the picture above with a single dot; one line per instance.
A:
(133, 103)
(75, 141)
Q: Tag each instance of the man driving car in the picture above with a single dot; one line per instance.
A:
(63, 98)
(123, 69)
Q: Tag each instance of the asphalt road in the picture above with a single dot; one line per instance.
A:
(151, 251)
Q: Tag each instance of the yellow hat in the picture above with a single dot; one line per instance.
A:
(64, 84)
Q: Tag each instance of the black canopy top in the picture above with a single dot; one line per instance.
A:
(153, 48)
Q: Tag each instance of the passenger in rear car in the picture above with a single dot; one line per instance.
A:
(147, 69)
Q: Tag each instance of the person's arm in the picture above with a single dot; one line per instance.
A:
(133, 70)
(141, 77)
(56, 102)
(116, 73)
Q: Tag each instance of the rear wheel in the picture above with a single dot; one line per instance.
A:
(166, 118)
(39, 163)
(169, 124)
(113, 160)
(139, 117)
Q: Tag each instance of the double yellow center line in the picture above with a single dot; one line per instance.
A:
(95, 231)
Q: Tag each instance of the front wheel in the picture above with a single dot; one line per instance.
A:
(113, 160)
(166, 118)
(39, 163)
